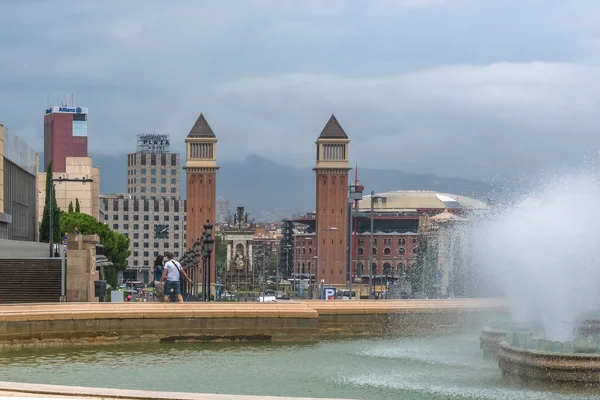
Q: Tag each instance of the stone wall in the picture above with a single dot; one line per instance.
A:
(81, 267)
(23, 249)
(64, 323)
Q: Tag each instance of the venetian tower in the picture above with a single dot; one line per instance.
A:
(201, 177)
(332, 203)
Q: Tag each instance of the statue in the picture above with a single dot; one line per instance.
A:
(239, 260)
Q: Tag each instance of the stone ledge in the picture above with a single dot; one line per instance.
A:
(18, 389)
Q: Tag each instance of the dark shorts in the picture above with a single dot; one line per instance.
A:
(172, 288)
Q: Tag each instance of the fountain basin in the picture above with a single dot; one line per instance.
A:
(548, 367)
(489, 341)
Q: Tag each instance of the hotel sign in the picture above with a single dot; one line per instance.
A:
(152, 143)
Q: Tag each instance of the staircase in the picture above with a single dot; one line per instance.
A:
(34, 280)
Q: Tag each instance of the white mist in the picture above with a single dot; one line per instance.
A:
(545, 253)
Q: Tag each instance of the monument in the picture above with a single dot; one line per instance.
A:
(239, 270)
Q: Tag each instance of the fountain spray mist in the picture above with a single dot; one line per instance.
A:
(544, 252)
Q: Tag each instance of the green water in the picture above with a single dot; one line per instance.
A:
(434, 368)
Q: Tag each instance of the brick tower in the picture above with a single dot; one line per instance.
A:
(332, 203)
(201, 174)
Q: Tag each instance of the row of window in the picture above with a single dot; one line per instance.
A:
(166, 245)
(387, 251)
(386, 268)
(136, 217)
(147, 204)
(162, 158)
(144, 171)
(146, 263)
(136, 227)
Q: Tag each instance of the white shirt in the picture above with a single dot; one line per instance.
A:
(173, 267)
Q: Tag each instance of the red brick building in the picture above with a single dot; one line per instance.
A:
(65, 135)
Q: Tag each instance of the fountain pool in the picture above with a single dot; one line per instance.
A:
(406, 368)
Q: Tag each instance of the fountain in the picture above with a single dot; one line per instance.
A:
(545, 254)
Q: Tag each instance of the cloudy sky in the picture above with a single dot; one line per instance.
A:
(466, 88)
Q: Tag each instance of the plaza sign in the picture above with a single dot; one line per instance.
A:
(152, 143)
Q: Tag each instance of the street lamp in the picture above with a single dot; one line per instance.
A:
(288, 247)
(207, 248)
(373, 270)
(355, 193)
(60, 179)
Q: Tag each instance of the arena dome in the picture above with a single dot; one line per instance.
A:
(415, 200)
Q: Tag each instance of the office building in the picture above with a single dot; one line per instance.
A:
(154, 226)
(69, 190)
(65, 135)
(153, 172)
(18, 187)
(222, 211)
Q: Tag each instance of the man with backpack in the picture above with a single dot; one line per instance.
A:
(170, 276)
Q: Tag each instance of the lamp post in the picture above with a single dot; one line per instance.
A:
(354, 194)
(60, 179)
(288, 247)
(373, 270)
(207, 248)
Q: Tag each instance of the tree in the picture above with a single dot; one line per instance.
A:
(220, 249)
(116, 245)
(71, 207)
(45, 225)
(77, 207)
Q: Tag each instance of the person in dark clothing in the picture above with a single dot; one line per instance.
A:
(158, 272)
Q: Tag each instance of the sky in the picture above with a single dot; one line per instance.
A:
(465, 88)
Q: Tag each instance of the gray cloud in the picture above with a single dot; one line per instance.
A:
(460, 87)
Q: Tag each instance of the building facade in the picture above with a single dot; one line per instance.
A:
(222, 211)
(65, 135)
(88, 193)
(154, 226)
(19, 164)
(331, 172)
(153, 172)
(201, 176)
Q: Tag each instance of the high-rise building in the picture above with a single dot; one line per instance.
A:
(332, 202)
(222, 210)
(65, 135)
(153, 172)
(201, 172)
(18, 188)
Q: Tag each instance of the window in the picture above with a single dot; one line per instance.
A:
(126, 217)
(136, 217)
(153, 159)
(156, 254)
(173, 181)
(173, 190)
(106, 217)
(175, 254)
(173, 172)
(153, 171)
(135, 253)
(415, 250)
(146, 254)
(361, 251)
(163, 159)
(401, 250)
(115, 217)
(374, 250)
(146, 227)
(143, 180)
(387, 251)
(163, 171)
(310, 250)
(175, 245)
(143, 189)
(387, 242)
(166, 217)
(156, 245)
(164, 189)
(176, 227)
(387, 269)
(143, 171)
(125, 226)
(136, 244)
(374, 240)
(152, 180)
(414, 240)
(361, 240)
(153, 189)
(143, 159)
(163, 181)
(176, 236)
(136, 235)
(146, 235)
(146, 245)
(173, 160)
(156, 218)
(115, 226)
(401, 242)
(135, 263)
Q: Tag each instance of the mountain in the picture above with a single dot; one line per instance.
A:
(270, 191)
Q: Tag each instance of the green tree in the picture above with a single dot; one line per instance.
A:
(116, 245)
(77, 207)
(220, 249)
(45, 225)
(70, 207)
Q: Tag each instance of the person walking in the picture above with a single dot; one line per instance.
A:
(158, 273)
(171, 275)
